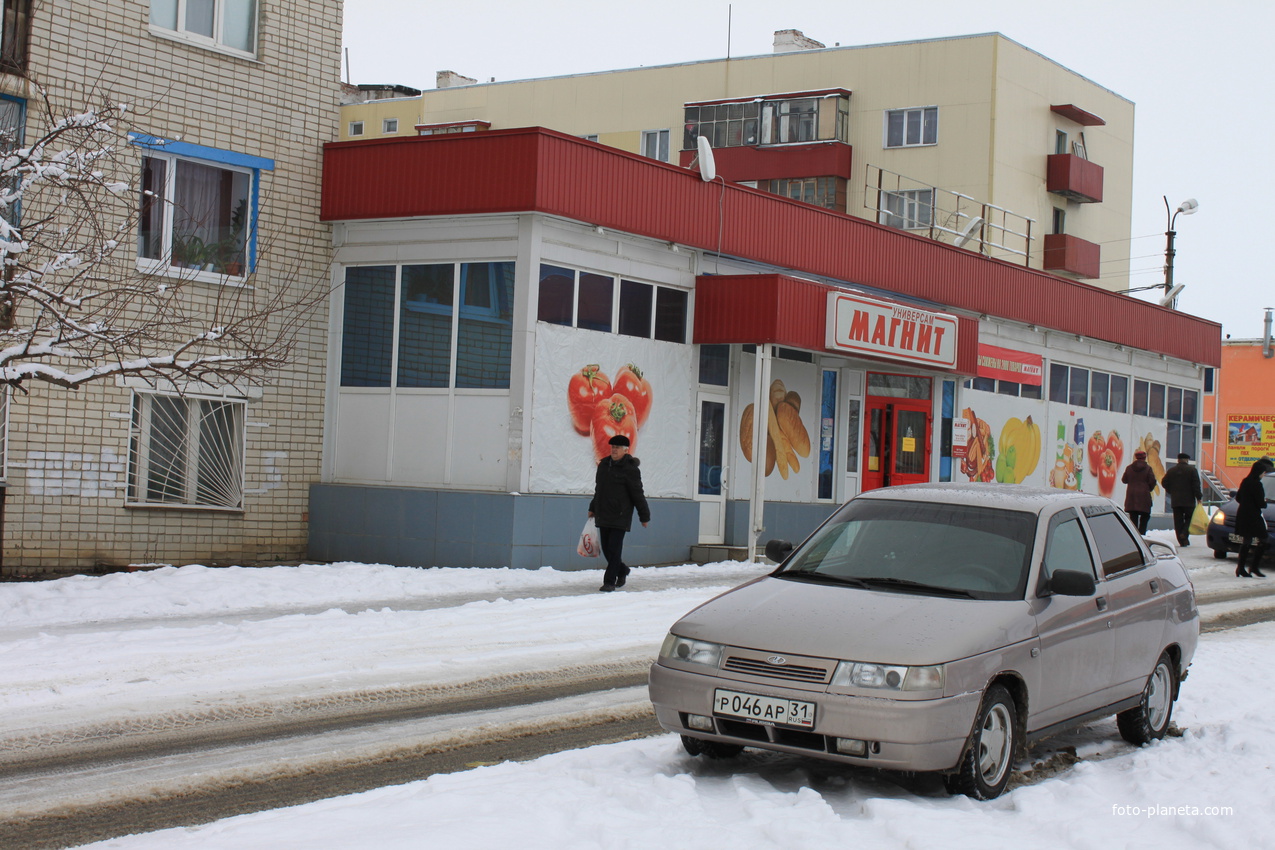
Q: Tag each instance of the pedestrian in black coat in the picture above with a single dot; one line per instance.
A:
(1182, 483)
(1139, 481)
(1249, 522)
(617, 491)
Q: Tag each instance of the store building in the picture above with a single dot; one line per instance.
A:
(1239, 405)
(495, 292)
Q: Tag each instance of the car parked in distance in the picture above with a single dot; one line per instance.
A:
(1221, 534)
(937, 627)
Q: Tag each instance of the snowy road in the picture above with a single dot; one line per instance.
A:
(170, 688)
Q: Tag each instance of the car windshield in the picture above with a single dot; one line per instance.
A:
(1268, 483)
(921, 547)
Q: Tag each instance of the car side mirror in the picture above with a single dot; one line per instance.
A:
(1071, 583)
(778, 550)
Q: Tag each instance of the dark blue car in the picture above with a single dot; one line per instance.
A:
(1221, 533)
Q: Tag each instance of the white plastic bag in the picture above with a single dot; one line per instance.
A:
(590, 545)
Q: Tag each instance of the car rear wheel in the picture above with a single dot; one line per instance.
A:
(984, 768)
(710, 749)
(1150, 719)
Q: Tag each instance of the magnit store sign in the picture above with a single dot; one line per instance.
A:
(861, 325)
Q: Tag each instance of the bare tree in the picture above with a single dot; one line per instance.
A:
(76, 306)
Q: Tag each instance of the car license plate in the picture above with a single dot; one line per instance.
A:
(1235, 538)
(786, 712)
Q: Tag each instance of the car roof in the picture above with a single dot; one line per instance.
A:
(1019, 497)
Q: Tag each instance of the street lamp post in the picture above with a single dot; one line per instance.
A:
(1187, 207)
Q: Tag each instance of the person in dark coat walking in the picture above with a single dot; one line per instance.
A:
(1182, 483)
(617, 491)
(1249, 522)
(1139, 481)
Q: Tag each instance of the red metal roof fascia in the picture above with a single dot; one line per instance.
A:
(533, 169)
(1080, 116)
(763, 97)
(781, 310)
(778, 162)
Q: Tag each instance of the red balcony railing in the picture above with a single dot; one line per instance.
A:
(1071, 255)
(1075, 178)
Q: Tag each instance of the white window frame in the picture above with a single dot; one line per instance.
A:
(196, 453)
(389, 125)
(655, 144)
(904, 209)
(164, 263)
(175, 26)
(355, 128)
(921, 113)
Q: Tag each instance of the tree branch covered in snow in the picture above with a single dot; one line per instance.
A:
(76, 303)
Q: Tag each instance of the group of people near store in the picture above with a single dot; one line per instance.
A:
(1182, 484)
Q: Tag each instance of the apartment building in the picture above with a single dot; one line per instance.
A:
(230, 104)
(976, 141)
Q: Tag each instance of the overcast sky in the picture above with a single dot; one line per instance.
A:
(1198, 73)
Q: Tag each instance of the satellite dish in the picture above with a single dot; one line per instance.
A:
(1172, 295)
(707, 166)
(975, 223)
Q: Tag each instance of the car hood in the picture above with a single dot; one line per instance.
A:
(847, 623)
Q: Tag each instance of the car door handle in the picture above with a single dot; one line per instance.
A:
(1101, 602)
(1155, 586)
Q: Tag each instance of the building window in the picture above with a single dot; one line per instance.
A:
(826, 192)
(221, 23)
(196, 215)
(435, 326)
(655, 144)
(14, 34)
(589, 301)
(1208, 379)
(714, 365)
(1060, 220)
(13, 122)
(1119, 396)
(909, 209)
(906, 128)
(1060, 141)
(590, 137)
(186, 451)
(356, 128)
(1206, 432)
(389, 125)
(1183, 415)
(823, 118)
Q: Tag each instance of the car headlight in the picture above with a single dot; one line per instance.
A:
(1219, 517)
(890, 677)
(691, 651)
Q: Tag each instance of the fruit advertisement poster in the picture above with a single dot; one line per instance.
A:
(1016, 441)
(590, 387)
(791, 408)
(1249, 438)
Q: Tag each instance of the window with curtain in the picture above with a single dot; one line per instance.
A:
(220, 23)
(194, 215)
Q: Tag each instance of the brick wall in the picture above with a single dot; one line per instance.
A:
(68, 451)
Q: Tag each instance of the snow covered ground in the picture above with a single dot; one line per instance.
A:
(128, 651)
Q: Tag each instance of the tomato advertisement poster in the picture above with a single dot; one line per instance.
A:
(590, 387)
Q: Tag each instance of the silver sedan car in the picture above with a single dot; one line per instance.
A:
(937, 627)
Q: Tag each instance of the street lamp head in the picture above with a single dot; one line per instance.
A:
(1189, 206)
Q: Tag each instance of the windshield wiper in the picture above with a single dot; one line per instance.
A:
(908, 584)
(821, 578)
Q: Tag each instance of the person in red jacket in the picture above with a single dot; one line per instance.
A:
(1139, 481)
(617, 491)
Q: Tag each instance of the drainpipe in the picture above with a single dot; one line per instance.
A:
(1267, 351)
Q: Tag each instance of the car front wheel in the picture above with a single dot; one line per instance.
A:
(710, 749)
(1220, 554)
(984, 768)
(1150, 719)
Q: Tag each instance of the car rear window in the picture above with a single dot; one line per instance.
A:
(1116, 546)
(984, 551)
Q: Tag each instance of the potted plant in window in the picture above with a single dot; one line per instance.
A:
(230, 250)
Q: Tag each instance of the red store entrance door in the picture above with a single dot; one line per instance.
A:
(897, 437)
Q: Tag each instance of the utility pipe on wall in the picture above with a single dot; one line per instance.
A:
(1267, 351)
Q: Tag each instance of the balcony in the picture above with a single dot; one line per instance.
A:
(1072, 256)
(778, 162)
(1075, 178)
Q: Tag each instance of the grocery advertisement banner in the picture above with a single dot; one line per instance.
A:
(791, 415)
(1249, 438)
(590, 387)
